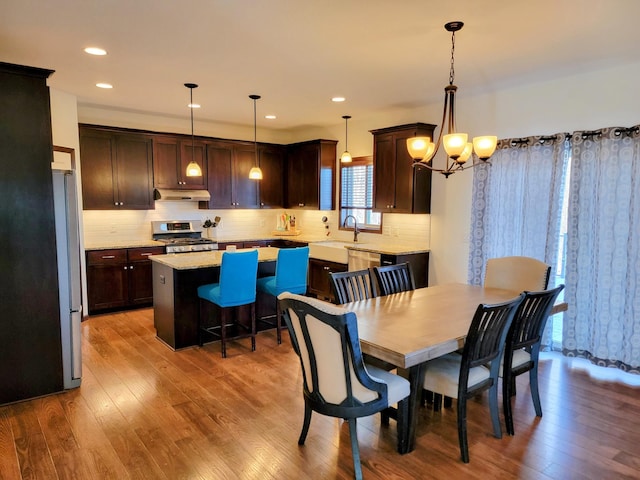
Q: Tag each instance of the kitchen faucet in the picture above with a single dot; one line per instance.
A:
(355, 226)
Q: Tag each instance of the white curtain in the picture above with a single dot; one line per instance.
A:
(517, 202)
(603, 249)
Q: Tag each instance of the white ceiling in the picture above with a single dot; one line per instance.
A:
(297, 54)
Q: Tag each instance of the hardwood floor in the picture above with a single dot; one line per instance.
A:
(146, 412)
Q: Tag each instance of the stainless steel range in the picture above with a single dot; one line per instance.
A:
(181, 236)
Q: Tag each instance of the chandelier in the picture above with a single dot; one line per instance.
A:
(193, 169)
(456, 145)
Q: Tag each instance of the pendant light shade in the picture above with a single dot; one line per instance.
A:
(346, 156)
(255, 173)
(193, 169)
(456, 145)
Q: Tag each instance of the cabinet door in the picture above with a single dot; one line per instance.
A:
(319, 280)
(295, 179)
(165, 162)
(107, 275)
(98, 187)
(245, 190)
(187, 153)
(272, 184)
(404, 173)
(219, 174)
(140, 275)
(384, 173)
(134, 164)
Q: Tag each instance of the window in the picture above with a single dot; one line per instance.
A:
(356, 195)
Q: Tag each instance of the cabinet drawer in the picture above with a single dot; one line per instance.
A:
(105, 257)
(138, 254)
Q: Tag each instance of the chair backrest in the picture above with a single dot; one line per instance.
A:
(395, 278)
(238, 274)
(517, 273)
(486, 337)
(325, 337)
(353, 286)
(291, 269)
(531, 318)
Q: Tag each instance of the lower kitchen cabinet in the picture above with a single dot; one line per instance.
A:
(120, 278)
(419, 265)
(319, 280)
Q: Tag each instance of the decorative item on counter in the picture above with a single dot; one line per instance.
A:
(286, 225)
(208, 225)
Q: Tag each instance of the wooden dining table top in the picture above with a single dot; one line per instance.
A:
(409, 328)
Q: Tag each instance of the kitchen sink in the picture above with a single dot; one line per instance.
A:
(331, 251)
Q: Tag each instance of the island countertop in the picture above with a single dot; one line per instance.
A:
(213, 258)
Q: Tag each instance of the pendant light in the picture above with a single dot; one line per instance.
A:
(193, 169)
(255, 173)
(456, 146)
(346, 156)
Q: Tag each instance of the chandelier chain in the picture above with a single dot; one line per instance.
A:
(452, 72)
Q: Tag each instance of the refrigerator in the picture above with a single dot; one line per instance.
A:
(69, 277)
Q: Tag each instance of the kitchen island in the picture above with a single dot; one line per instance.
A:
(176, 278)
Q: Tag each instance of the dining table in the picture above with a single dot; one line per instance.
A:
(410, 328)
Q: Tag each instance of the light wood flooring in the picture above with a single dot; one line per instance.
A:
(146, 412)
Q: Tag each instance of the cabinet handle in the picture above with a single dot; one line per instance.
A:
(131, 267)
(146, 254)
(387, 262)
(125, 267)
(262, 204)
(106, 257)
(326, 268)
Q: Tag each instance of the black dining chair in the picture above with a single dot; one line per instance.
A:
(464, 376)
(353, 286)
(335, 381)
(522, 348)
(394, 278)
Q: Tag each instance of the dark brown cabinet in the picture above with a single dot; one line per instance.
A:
(171, 155)
(399, 187)
(116, 170)
(272, 183)
(419, 265)
(311, 174)
(319, 280)
(120, 278)
(228, 166)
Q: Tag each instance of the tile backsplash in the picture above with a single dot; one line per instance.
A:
(102, 226)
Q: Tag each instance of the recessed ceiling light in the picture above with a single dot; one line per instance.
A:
(270, 117)
(95, 51)
(104, 85)
(194, 105)
(338, 99)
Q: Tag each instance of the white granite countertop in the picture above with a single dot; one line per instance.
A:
(113, 244)
(213, 258)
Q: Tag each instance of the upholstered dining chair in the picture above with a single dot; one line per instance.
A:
(517, 274)
(394, 278)
(236, 288)
(292, 265)
(464, 376)
(353, 286)
(336, 382)
(523, 347)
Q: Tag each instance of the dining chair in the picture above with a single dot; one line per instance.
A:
(353, 286)
(394, 278)
(464, 376)
(292, 265)
(236, 288)
(336, 382)
(517, 273)
(523, 347)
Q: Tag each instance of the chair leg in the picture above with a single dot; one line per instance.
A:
(437, 402)
(535, 393)
(355, 450)
(462, 429)
(447, 402)
(506, 403)
(305, 425)
(253, 327)
(278, 322)
(200, 317)
(493, 407)
(223, 332)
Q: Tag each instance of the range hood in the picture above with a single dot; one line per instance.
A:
(181, 195)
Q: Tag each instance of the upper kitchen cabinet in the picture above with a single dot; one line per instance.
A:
(228, 166)
(311, 174)
(399, 187)
(171, 155)
(272, 184)
(116, 169)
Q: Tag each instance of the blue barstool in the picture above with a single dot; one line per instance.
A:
(237, 287)
(292, 265)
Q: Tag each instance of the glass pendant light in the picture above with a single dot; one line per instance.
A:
(346, 156)
(255, 173)
(193, 169)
